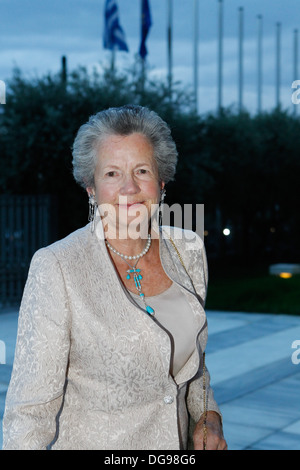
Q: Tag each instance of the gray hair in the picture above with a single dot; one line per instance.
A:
(123, 121)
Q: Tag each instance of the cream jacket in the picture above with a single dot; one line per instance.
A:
(91, 368)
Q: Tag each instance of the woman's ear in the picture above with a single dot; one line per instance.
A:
(90, 191)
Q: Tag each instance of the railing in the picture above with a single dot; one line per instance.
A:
(25, 226)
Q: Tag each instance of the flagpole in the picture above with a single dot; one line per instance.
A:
(196, 52)
(142, 58)
(295, 62)
(259, 62)
(64, 69)
(170, 58)
(241, 38)
(114, 37)
(146, 23)
(220, 56)
(113, 59)
(278, 38)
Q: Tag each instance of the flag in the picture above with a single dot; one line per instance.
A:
(114, 37)
(146, 25)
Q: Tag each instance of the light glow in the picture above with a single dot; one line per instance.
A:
(226, 232)
(285, 275)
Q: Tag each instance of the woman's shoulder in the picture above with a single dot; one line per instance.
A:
(73, 243)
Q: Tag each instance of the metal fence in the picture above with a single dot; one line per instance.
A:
(25, 226)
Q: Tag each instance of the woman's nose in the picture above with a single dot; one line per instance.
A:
(129, 186)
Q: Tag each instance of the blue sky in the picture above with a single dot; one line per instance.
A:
(35, 34)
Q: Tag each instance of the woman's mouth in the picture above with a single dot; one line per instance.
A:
(130, 204)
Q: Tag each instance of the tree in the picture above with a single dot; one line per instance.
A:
(243, 168)
(42, 117)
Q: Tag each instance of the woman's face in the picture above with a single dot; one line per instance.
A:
(126, 181)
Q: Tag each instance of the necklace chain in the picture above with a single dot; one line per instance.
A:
(135, 272)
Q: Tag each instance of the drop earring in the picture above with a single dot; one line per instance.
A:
(92, 211)
(161, 202)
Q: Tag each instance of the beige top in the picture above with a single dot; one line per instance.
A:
(175, 315)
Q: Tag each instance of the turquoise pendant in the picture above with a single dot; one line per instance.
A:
(149, 310)
(137, 277)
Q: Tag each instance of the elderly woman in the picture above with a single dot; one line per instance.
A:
(112, 329)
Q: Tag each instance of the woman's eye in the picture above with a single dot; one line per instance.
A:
(111, 173)
(143, 171)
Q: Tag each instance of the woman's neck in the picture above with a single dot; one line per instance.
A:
(128, 246)
(131, 245)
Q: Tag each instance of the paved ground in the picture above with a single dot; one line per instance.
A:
(249, 357)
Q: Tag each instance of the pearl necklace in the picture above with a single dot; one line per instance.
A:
(125, 257)
(137, 277)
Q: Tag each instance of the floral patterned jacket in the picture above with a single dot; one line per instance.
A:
(91, 368)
